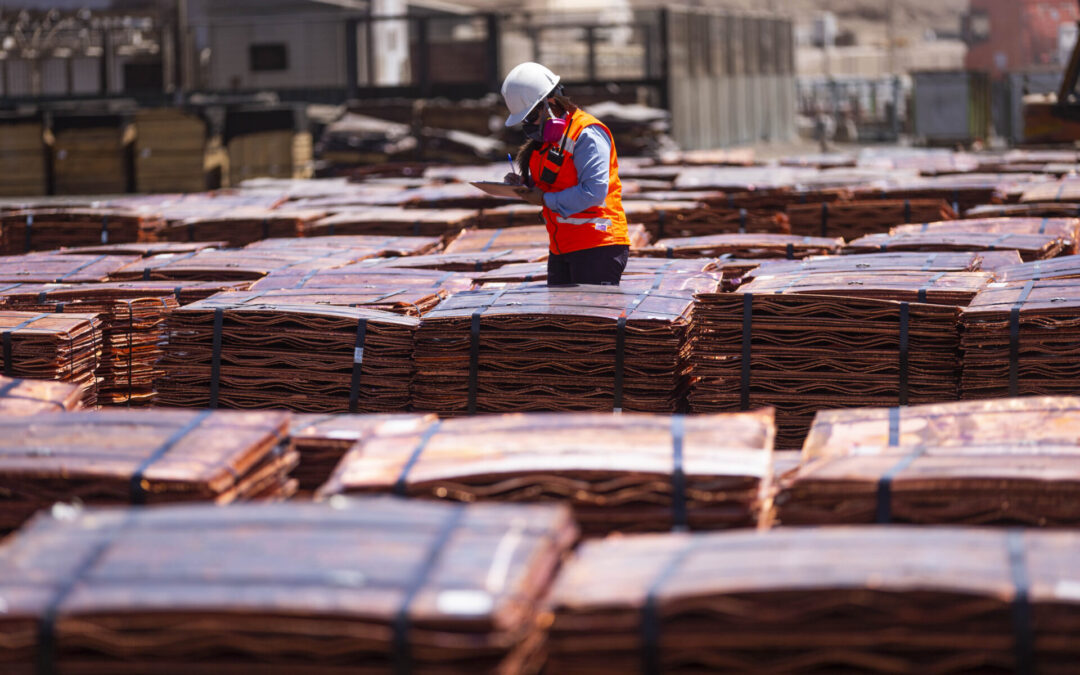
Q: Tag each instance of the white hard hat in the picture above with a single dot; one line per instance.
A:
(526, 85)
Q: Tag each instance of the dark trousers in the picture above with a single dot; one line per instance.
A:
(602, 265)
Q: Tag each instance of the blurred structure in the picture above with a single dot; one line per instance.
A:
(1007, 36)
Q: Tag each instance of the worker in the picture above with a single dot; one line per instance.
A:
(569, 167)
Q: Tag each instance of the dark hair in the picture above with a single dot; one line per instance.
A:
(561, 105)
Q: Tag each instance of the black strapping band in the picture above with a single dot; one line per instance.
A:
(266, 228)
(924, 228)
(929, 264)
(5, 337)
(992, 246)
(46, 632)
(1014, 338)
(491, 242)
(790, 250)
(402, 651)
(620, 343)
(29, 232)
(747, 349)
(81, 267)
(105, 229)
(402, 483)
(1023, 630)
(474, 350)
(907, 210)
(138, 483)
(824, 219)
(679, 519)
(921, 297)
(7, 388)
(905, 319)
(358, 364)
(660, 218)
(650, 611)
(215, 358)
(894, 427)
(1042, 226)
(742, 221)
(883, 512)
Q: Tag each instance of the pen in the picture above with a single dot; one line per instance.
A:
(513, 169)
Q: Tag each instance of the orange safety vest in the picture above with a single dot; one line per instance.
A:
(552, 170)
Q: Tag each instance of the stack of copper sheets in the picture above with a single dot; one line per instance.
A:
(45, 346)
(47, 268)
(476, 261)
(143, 249)
(367, 276)
(1067, 229)
(556, 349)
(322, 440)
(240, 225)
(526, 237)
(409, 301)
(878, 262)
(390, 221)
(30, 397)
(820, 600)
(856, 219)
(240, 350)
(960, 196)
(360, 586)
(807, 342)
(1022, 338)
(693, 219)
(364, 245)
(511, 215)
(132, 331)
(226, 265)
(527, 272)
(743, 246)
(1030, 246)
(996, 462)
(620, 473)
(140, 456)
(1035, 210)
(1064, 267)
(1065, 190)
(50, 228)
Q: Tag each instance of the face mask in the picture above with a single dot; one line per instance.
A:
(553, 129)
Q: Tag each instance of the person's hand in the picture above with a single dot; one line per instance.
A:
(512, 179)
(531, 195)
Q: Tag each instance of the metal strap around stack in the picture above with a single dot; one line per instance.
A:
(1014, 338)
(905, 320)
(401, 485)
(215, 357)
(147, 270)
(1023, 630)
(443, 279)
(790, 251)
(747, 350)
(80, 268)
(491, 242)
(824, 219)
(105, 229)
(883, 511)
(679, 518)
(266, 228)
(620, 342)
(742, 221)
(29, 232)
(358, 364)
(661, 216)
(650, 610)
(138, 485)
(907, 210)
(7, 388)
(929, 264)
(894, 427)
(992, 246)
(1042, 226)
(46, 628)
(176, 294)
(1036, 271)
(5, 338)
(401, 649)
(474, 350)
(921, 296)
(416, 228)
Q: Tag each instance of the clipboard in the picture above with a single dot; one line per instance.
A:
(498, 189)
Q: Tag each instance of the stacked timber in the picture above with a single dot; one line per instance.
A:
(803, 342)
(996, 462)
(109, 457)
(360, 586)
(22, 156)
(241, 350)
(621, 473)
(90, 155)
(281, 153)
(170, 151)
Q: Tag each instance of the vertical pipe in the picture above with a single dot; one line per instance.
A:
(423, 66)
(494, 52)
(590, 59)
(352, 60)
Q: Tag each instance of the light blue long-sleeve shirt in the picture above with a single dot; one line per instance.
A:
(592, 159)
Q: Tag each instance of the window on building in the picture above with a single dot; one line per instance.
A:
(976, 27)
(268, 57)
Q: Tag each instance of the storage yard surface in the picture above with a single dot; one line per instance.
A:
(343, 425)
